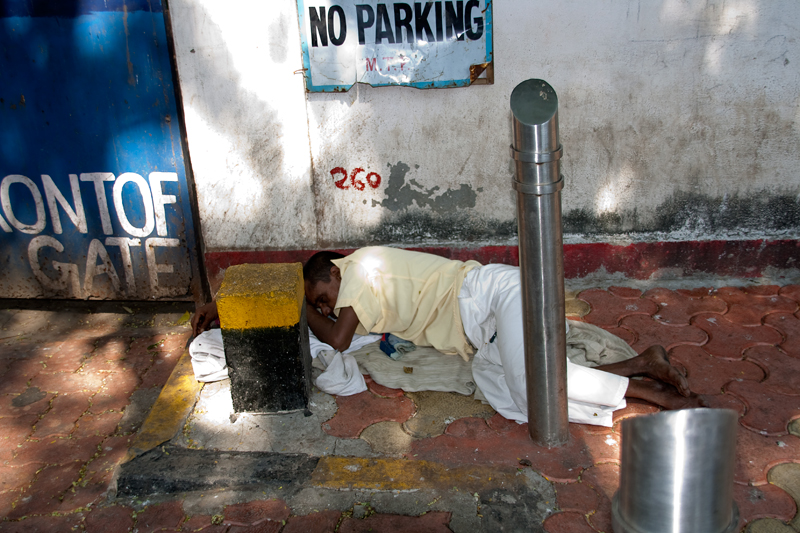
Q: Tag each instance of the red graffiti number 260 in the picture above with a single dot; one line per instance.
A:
(373, 179)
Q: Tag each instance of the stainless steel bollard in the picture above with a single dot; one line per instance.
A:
(677, 473)
(536, 153)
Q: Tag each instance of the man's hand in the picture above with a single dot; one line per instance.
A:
(203, 318)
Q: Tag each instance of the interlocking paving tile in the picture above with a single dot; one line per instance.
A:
(320, 522)
(361, 410)
(64, 413)
(650, 332)
(387, 438)
(604, 479)
(164, 515)
(756, 454)
(502, 442)
(729, 340)
(114, 518)
(608, 309)
(44, 524)
(782, 371)
(577, 496)
(17, 477)
(789, 326)
(749, 309)
(768, 412)
(707, 374)
(623, 333)
(677, 309)
(57, 451)
(101, 425)
(791, 291)
(764, 501)
(32, 401)
(625, 292)
(787, 477)
(42, 497)
(379, 390)
(13, 432)
(432, 522)
(437, 409)
(567, 522)
(255, 512)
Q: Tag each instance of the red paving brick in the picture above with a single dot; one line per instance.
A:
(623, 333)
(791, 291)
(756, 454)
(379, 390)
(255, 512)
(729, 340)
(360, 411)
(64, 413)
(625, 292)
(707, 374)
(604, 479)
(57, 450)
(321, 522)
(502, 442)
(160, 370)
(768, 413)
(765, 501)
(66, 382)
(748, 309)
(677, 309)
(17, 477)
(782, 371)
(33, 402)
(114, 518)
(44, 524)
(608, 309)
(42, 497)
(650, 332)
(789, 326)
(163, 515)
(433, 522)
(578, 497)
(567, 522)
(102, 424)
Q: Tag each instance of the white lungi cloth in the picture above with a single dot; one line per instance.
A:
(490, 301)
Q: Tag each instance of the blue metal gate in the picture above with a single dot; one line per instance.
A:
(94, 200)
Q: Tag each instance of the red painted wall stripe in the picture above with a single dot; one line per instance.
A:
(746, 259)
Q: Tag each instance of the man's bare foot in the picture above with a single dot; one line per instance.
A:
(656, 365)
(664, 395)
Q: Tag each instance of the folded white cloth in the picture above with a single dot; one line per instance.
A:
(342, 376)
(208, 356)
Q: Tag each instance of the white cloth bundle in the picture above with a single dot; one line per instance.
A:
(208, 356)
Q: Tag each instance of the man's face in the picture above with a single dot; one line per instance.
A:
(323, 294)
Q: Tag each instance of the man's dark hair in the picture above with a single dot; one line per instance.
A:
(318, 267)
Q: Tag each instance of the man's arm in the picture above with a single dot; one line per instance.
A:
(338, 334)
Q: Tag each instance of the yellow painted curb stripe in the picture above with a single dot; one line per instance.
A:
(400, 474)
(169, 412)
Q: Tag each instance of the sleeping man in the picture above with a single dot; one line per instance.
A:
(465, 308)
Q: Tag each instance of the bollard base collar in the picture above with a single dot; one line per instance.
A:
(538, 189)
(620, 525)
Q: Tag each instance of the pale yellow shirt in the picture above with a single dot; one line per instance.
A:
(410, 294)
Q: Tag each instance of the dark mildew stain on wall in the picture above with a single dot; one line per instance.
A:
(694, 213)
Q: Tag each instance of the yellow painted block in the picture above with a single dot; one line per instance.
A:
(266, 295)
(359, 473)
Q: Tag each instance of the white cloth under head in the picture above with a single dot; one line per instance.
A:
(341, 375)
(208, 356)
(490, 301)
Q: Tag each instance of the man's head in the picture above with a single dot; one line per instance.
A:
(321, 279)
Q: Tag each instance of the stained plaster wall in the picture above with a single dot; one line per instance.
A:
(680, 120)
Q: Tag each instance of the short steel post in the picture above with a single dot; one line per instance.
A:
(536, 152)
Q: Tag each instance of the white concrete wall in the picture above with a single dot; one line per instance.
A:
(680, 120)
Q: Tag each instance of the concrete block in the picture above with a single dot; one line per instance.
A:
(262, 315)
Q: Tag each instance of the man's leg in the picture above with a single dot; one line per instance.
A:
(670, 390)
